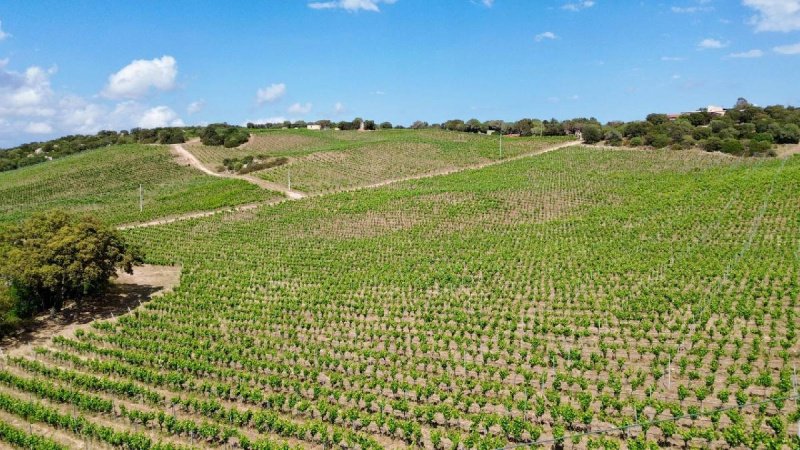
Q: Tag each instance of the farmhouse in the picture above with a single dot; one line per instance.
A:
(717, 111)
(313, 126)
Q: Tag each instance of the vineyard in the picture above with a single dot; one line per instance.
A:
(650, 293)
(106, 181)
(324, 161)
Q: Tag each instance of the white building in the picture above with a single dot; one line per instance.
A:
(313, 126)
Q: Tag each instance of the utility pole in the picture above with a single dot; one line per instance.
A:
(141, 198)
(501, 141)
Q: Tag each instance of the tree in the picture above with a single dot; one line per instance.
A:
(55, 256)
(592, 134)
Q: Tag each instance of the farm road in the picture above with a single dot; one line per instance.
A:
(187, 157)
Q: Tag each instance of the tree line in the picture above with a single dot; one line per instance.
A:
(38, 152)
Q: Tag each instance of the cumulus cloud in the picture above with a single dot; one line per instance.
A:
(775, 15)
(352, 5)
(707, 44)
(793, 49)
(275, 119)
(488, 3)
(299, 108)
(3, 34)
(160, 116)
(547, 35)
(29, 108)
(578, 6)
(137, 78)
(27, 93)
(196, 107)
(748, 54)
(271, 93)
(38, 128)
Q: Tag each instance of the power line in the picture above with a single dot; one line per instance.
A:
(646, 424)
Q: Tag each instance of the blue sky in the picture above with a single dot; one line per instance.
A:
(81, 66)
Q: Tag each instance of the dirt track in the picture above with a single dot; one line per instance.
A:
(187, 157)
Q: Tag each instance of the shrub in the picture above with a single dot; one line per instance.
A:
(657, 140)
(732, 146)
(592, 134)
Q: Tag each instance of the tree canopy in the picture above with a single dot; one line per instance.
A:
(56, 256)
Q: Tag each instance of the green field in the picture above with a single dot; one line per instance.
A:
(105, 182)
(577, 290)
(322, 161)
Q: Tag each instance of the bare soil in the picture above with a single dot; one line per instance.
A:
(126, 293)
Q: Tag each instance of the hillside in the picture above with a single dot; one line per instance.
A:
(576, 290)
(106, 181)
(324, 161)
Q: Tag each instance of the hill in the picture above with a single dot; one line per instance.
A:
(105, 182)
(580, 289)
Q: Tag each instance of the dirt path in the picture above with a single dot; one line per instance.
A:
(186, 157)
(297, 195)
(126, 293)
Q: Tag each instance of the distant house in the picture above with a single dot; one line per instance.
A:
(313, 126)
(489, 132)
(718, 111)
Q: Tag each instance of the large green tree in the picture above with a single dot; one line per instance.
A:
(56, 256)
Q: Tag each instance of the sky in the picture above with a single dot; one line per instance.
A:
(83, 66)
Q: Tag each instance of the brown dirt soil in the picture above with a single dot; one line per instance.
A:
(126, 293)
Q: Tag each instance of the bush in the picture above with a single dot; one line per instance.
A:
(171, 136)
(657, 140)
(732, 146)
(636, 142)
(759, 147)
(788, 134)
(712, 144)
(592, 134)
(613, 137)
(236, 138)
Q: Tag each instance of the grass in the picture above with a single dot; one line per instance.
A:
(105, 182)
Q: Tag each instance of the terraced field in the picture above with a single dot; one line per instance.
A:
(105, 182)
(540, 299)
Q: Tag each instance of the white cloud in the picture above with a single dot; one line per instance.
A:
(672, 58)
(707, 44)
(25, 94)
(339, 108)
(793, 49)
(748, 54)
(577, 6)
(691, 9)
(546, 35)
(137, 78)
(3, 34)
(299, 108)
(160, 116)
(38, 128)
(271, 93)
(352, 5)
(196, 107)
(276, 119)
(775, 15)
(488, 3)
